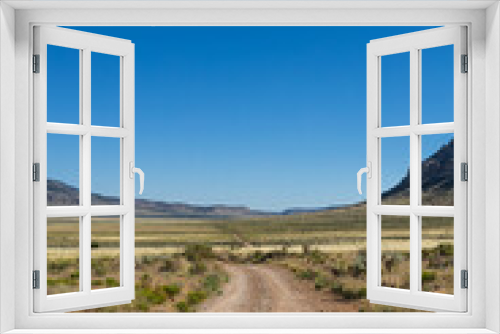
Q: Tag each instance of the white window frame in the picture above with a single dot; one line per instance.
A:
(414, 43)
(85, 43)
(483, 123)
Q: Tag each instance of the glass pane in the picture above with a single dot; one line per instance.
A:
(437, 254)
(395, 90)
(63, 255)
(105, 90)
(105, 171)
(105, 252)
(63, 170)
(437, 169)
(395, 251)
(437, 84)
(63, 85)
(395, 175)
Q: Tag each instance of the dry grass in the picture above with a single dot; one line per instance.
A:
(326, 247)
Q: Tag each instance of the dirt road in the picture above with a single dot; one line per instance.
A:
(265, 288)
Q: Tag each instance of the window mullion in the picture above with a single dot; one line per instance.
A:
(415, 188)
(85, 157)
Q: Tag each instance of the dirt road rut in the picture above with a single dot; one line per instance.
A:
(264, 288)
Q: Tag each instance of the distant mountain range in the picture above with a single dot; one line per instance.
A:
(59, 193)
(437, 178)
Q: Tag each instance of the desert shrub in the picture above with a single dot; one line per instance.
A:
(111, 282)
(169, 265)
(445, 250)
(96, 282)
(171, 290)
(317, 257)
(212, 283)
(359, 266)
(439, 257)
(99, 267)
(428, 276)
(320, 283)
(58, 282)
(61, 264)
(182, 307)
(336, 287)
(143, 306)
(340, 267)
(307, 274)
(196, 297)
(197, 268)
(350, 293)
(155, 297)
(258, 257)
(198, 252)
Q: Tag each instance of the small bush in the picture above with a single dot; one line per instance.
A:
(428, 276)
(182, 307)
(317, 257)
(336, 287)
(169, 266)
(198, 252)
(111, 282)
(320, 283)
(212, 283)
(153, 297)
(172, 290)
(197, 268)
(196, 297)
(354, 293)
(307, 274)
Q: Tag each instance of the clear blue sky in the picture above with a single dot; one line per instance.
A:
(266, 117)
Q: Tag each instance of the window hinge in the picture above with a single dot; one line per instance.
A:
(464, 171)
(36, 63)
(36, 172)
(465, 279)
(36, 279)
(465, 64)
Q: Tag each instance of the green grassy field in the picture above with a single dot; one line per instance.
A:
(328, 248)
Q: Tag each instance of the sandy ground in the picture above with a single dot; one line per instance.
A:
(265, 288)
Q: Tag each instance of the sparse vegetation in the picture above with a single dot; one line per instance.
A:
(325, 250)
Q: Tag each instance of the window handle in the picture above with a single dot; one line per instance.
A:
(139, 171)
(368, 171)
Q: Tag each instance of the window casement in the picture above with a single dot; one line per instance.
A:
(417, 210)
(85, 131)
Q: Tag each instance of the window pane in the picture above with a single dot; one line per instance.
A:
(395, 90)
(395, 251)
(394, 165)
(105, 90)
(105, 171)
(63, 170)
(437, 169)
(437, 84)
(63, 255)
(105, 252)
(63, 85)
(437, 254)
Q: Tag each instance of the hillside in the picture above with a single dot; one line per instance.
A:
(437, 179)
(59, 193)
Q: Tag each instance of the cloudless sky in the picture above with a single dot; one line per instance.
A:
(266, 117)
